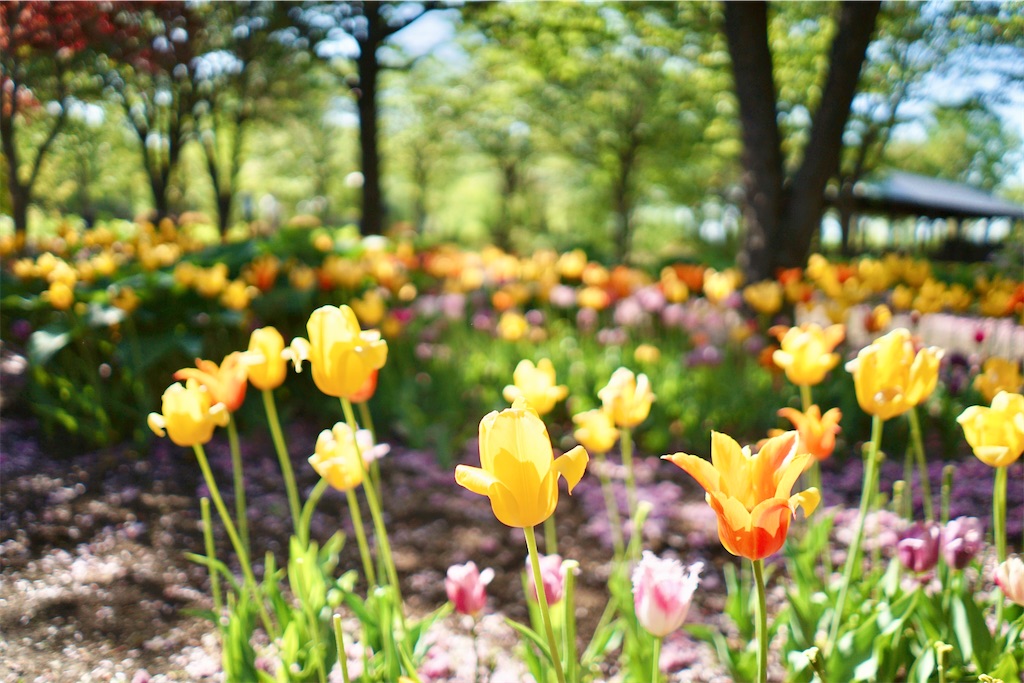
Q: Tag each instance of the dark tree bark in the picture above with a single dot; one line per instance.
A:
(783, 214)
(366, 103)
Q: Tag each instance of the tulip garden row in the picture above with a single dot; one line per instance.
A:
(104, 315)
(945, 603)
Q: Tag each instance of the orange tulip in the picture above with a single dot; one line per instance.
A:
(817, 431)
(226, 382)
(750, 494)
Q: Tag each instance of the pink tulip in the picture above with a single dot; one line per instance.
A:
(662, 593)
(1010, 577)
(552, 575)
(466, 587)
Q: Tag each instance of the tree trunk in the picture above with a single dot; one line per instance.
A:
(805, 204)
(366, 104)
(782, 217)
(223, 214)
(623, 217)
(19, 209)
(502, 233)
(746, 31)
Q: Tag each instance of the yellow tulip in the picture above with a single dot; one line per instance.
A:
(765, 297)
(189, 414)
(998, 374)
(890, 378)
(267, 368)
(537, 385)
(60, 295)
(512, 326)
(627, 397)
(750, 494)
(996, 434)
(342, 355)
(596, 430)
(370, 309)
(806, 352)
(571, 264)
(237, 295)
(719, 286)
(518, 470)
(337, 459)
(647, 353)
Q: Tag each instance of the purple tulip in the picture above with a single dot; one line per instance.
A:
(962, 539)
(919, 546)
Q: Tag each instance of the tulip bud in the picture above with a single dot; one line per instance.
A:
(918, 548)
(1010, 577)
(662, 593)
(552, 575)
(962, 539)
(466, 587)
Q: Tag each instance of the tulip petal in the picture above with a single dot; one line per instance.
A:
(808, 500)
(572, 465)
(698, 468)
(157, 423)
(766, 515)
(727, 456)
(791, 473)
(475, 479)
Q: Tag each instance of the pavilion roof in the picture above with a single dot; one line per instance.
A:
(908, 194)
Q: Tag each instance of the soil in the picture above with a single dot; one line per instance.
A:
(95, 585)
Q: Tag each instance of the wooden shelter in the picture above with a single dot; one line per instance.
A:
(938, 209)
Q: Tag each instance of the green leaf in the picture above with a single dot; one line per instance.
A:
(924, 667)
(971, 631)
(533, 637)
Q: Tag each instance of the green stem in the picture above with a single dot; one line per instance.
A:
(476, 653)
(999, 530)
(852, 557)
(805, 396)
(908, 481)
(999, 513)
(569, 622)
(612, 507)
(211, 554)
(947, 490)
(239, 482)
(236, 542)
(542, 600)
(627, 463)
(550, 536)
(762, 622)
(655, 657)
(364, 548)
(922, 465)
(283, 457)
(339, 638)
(378, 519)
(307, 511)
(364, 414)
